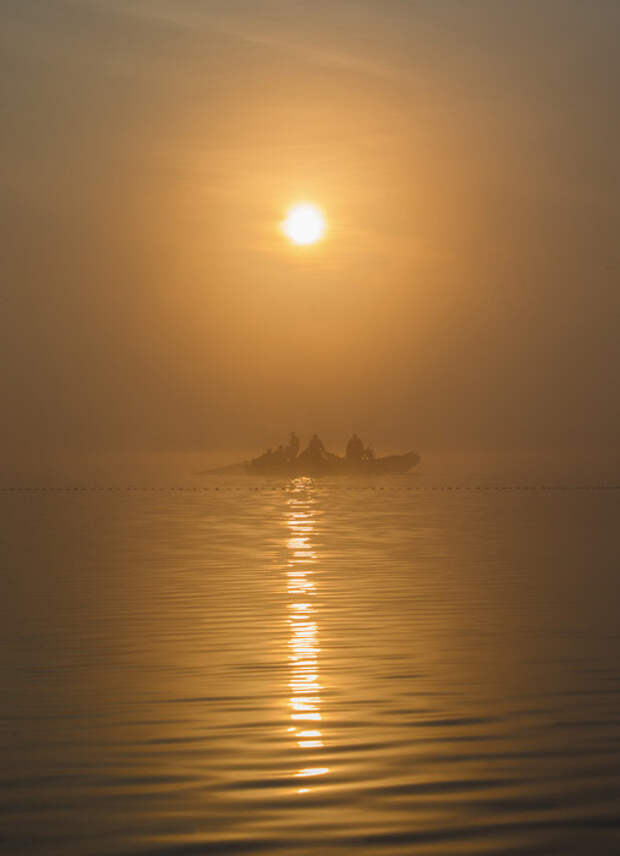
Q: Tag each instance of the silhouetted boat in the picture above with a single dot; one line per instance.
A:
(315, 460)
(273, 463)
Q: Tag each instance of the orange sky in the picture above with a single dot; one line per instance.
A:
(466, 157)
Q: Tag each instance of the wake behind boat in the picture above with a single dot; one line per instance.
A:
(315, 460)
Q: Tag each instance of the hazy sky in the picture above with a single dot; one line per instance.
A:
(466, 154)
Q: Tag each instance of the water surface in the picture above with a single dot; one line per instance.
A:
(310, 668)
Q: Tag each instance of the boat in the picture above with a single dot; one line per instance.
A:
(332, 466)
(315, 460)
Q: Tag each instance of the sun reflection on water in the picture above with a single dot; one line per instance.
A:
(304, 647)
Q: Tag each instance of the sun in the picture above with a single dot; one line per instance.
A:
(304, 224)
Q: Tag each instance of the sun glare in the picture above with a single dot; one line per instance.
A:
(304, 224)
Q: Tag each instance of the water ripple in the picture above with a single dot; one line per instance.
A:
(314, 669)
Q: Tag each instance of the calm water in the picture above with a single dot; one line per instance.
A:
(312, 668)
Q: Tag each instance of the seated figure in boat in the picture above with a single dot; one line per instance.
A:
(355, 450)
(315, 457)
(316, 449)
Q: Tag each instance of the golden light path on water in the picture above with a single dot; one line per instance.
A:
(304, 647)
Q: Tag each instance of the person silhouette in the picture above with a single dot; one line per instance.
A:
(355, 449)
(316, 449)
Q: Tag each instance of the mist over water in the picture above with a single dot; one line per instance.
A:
(570, 466)
(310, 667)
